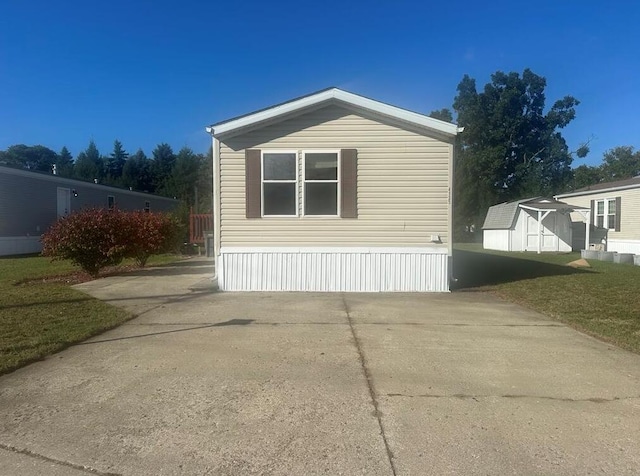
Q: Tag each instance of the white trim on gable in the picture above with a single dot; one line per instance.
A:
(333, 95)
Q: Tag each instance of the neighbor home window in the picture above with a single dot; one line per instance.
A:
(147, 207)
(320, 183)
(606, 211)
(279, 183)
(111, 202)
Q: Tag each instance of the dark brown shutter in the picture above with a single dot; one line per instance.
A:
(592, 213)
(348, 183)
(618, 203)
(253, 178)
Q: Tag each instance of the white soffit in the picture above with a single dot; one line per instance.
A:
(337, 95)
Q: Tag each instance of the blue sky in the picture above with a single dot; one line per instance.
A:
(146, 72)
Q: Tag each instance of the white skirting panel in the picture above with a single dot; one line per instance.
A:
(624, 246)
(334, 269)
(19, 245)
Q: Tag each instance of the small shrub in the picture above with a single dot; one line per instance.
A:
(91, 239)
(151, 234)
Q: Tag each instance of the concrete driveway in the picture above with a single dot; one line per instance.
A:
(287, 384)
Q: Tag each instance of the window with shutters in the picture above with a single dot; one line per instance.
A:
(326, 185)
(321, 179)
(606, 213)
(279, 183)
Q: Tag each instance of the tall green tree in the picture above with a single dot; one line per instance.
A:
(585, 175)
(30, 157)
(510, 148)
(64, 163)
(89, 164)
(205, 183)
(114, 163)
(442, 114)
(620, 163)
(163, 162)
(183, 181)
(136, 173)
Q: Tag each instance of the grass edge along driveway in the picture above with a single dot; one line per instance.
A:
(602, 301)
(40, 313)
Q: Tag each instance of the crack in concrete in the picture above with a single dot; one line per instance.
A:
(369, 378)
(80, 467)
(462, 396)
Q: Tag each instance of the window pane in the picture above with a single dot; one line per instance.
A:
(600, 208)
(611, 221)
(600, 221)
(612, 207)
(280, 166)
(323, 166)
(321, 199)
(279, 198)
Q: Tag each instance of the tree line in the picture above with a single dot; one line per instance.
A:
(512, 147)
(185, 175)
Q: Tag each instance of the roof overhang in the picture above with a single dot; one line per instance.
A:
(326, 97)
(597, 191)
(553, 207)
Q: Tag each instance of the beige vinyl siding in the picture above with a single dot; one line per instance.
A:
(629, 209)
(403, 184)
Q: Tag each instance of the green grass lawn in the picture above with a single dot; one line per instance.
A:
(603, 301)
(41, 314)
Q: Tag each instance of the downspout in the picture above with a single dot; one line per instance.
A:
(216, 208)
(215, 146)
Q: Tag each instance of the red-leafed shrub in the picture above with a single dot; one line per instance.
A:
(151, 234)
(91, 238)
(95, 238)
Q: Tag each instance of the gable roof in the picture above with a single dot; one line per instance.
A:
(503, 215)
(605, 187)
(323, 98)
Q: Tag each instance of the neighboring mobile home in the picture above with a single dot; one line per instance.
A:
(614, 215)
(333, 192)
(31, 201)
(531, 224)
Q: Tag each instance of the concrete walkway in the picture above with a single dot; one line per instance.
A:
(235, 384)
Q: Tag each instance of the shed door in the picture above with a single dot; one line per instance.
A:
(64, 202)
(548, 232)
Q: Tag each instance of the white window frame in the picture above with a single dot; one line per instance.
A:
(296, 181)
(305, 181)
(605, 217)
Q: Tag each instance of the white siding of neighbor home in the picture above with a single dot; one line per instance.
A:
(403, 184)
(627, 240)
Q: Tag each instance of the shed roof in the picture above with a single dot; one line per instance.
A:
(325, 97)
(604, 187)
(503, 215)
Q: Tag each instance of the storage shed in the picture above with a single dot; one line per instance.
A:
(531, 224)
(333, 192)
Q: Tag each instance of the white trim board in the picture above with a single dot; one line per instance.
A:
(328, 96)
(432, 250)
